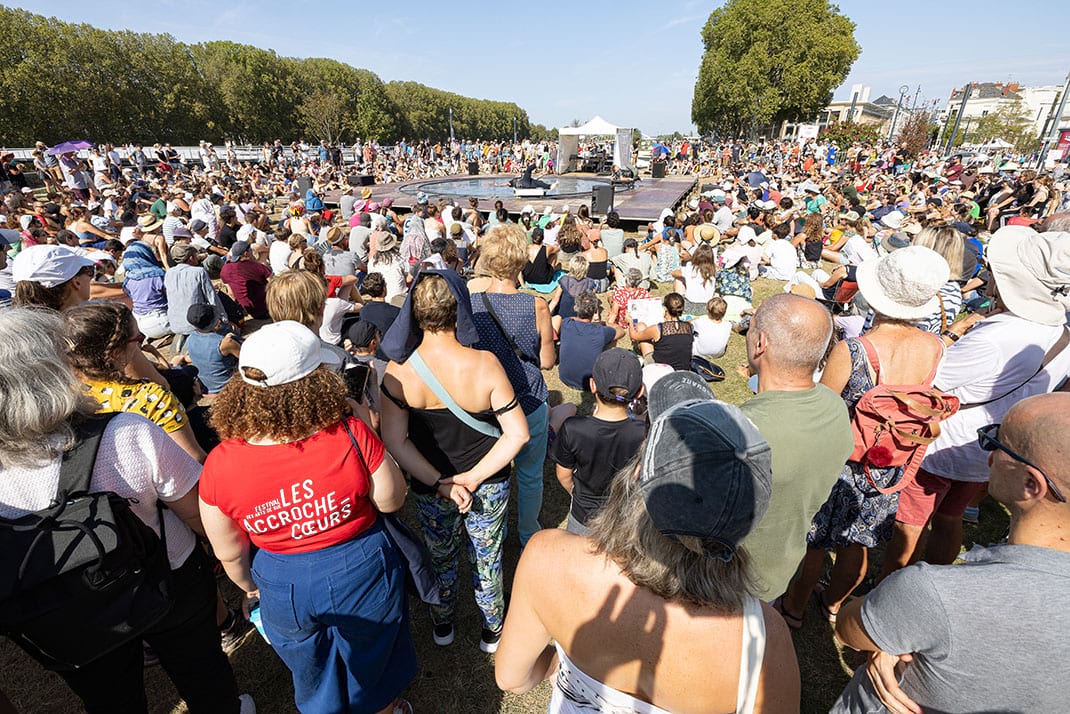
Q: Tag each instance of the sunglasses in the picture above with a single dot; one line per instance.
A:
(988, 440)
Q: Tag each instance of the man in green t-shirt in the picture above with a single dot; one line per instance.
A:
(806, 426)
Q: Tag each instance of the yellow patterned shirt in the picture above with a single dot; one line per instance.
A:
(148, 399)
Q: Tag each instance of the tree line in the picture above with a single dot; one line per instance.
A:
(63, 81)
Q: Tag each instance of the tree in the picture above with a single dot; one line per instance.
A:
(846, 133)
(915, 133)
(770, 61)
(322, 114)
(1010, 123)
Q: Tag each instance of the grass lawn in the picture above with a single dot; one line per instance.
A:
(460, 678)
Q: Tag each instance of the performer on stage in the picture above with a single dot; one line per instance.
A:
(526, 181)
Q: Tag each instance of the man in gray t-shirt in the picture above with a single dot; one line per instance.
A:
(989, 635)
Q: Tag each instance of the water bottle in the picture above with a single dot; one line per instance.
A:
(256, 620)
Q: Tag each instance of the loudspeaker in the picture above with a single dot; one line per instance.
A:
(367, 179)
(473, 168)
(602, 199)
(657, 169)
(303, 184)
(706, 187)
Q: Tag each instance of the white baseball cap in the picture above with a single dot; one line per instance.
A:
(285, 352)
(47, 265)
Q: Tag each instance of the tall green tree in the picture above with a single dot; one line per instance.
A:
(770, 61)
(1010, 123)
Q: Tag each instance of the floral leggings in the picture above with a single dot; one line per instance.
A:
(442, 523)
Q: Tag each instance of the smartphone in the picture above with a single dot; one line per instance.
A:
(356, 379)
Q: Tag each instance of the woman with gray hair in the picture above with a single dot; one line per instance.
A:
(654, 611)
(41, 411)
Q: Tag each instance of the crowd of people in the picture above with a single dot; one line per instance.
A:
(266, 381)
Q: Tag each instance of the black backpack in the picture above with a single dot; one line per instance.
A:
(85, 575)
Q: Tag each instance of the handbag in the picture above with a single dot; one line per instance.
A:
(420, 579)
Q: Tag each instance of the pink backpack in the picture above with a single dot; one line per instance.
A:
(894, 424)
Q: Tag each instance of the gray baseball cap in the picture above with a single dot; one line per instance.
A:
(706, 472)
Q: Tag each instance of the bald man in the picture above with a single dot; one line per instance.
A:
(989, 635)
(806, 425)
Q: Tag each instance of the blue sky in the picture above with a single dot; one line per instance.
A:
(632, 62)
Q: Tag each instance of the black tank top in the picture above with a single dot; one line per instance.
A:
(538, 270)
(674, 344)
(448, 444)
(596, 270)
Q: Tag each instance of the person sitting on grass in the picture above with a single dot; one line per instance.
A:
(568, 287)
(711, 330)
(590, 450)
(669, 342)
(583, 338)
(212, 347)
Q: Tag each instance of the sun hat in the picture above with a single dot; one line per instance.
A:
(366, 193)
(709, 234)
(148, 223)
(387, 241)
(181, 232)
(911, 228)
(334, 235)
(180, 252)
(456, 229)
(197, 225)
(850, 216)
(706, 473)
(528, 209)
(388, 202)
(893, 220)
(617, 368)
(285, 352)
(1032, 272)
(373, 206)
(693, 204)
(47, 265)
(237, 250)
(896, 241)
(905, 284)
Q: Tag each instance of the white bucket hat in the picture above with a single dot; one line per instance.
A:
(285, 352)
(1032, 272)
(893, 220)
(904, 285)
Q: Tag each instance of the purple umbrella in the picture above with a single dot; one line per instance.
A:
(70, 146)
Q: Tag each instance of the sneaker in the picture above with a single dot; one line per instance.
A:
(232, 635)
(443, 634)
(248, 706)
(488, 642)
(972, 514)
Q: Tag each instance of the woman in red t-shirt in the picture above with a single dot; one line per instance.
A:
(302, 480)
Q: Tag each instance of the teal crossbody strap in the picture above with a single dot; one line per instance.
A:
(432, 382)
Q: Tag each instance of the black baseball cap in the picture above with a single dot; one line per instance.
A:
(361, 333)
(617, 367)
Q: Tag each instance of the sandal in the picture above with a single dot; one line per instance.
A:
(794, 622)
(829, 614)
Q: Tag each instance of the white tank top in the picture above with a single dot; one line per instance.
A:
(577, 693)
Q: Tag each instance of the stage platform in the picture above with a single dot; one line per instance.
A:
(642, 204)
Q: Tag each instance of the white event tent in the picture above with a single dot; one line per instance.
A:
(569, 139)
